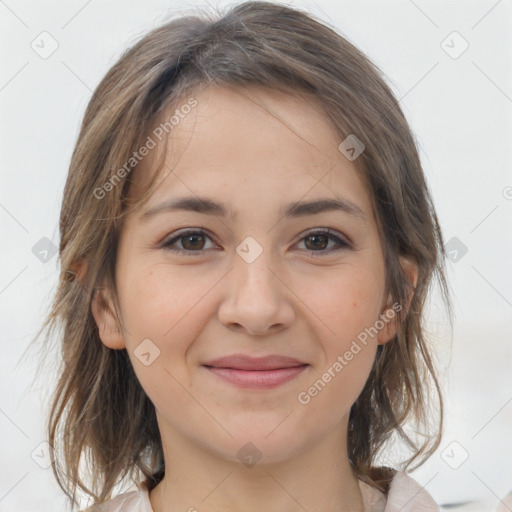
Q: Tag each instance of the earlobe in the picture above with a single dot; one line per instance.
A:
(388, 319)
(108, 328)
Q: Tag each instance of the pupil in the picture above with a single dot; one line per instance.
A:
(188, 238)
(317, 237)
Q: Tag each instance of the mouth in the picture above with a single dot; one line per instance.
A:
(256, 372)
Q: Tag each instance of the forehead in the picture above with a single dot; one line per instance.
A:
(250, 142)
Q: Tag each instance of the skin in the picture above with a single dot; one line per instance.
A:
(195, 306)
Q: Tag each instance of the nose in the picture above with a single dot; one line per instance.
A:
(257, 300)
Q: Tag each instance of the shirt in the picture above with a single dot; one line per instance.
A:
(405, 495)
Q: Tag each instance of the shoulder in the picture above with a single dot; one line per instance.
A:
(130, 501)
(407, 495)
(505, 504)
(404, 495)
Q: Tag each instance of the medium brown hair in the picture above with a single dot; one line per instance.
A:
(100, 414)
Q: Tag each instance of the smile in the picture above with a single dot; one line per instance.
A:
(257, 379)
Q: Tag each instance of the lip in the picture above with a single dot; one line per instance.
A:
(256, 372)
(245, 362)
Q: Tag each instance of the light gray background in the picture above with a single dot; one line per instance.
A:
(460, 110)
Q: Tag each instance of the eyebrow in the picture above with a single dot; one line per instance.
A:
(207, 206)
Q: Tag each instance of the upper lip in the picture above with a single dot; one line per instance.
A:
(245, 362)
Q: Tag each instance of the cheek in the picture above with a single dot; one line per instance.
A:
(348, 305)
(169, 306)
(346, 302)
(335, 388)
(160, 299)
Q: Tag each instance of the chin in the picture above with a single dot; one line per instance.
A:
(266, 445)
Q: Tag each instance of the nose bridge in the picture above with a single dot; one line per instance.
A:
(256, 298)
(252, 269)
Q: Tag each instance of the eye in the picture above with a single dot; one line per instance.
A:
(317, 241)
(193, 241)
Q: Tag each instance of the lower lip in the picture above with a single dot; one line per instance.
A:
(257, 379)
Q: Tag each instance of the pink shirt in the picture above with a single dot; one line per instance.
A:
(405, 495)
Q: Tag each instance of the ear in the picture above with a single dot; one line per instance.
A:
(102, 308)
(389, 313)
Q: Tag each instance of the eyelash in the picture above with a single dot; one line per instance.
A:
(342, 244)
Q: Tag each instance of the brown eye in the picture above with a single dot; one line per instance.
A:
(192, 241)
(318, 241)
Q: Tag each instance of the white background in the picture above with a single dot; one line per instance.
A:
(460, 110)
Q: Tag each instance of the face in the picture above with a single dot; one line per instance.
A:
(252, 272)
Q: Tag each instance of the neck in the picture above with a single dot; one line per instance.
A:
(317, 480)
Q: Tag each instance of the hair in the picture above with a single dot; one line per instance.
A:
(100, 417)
